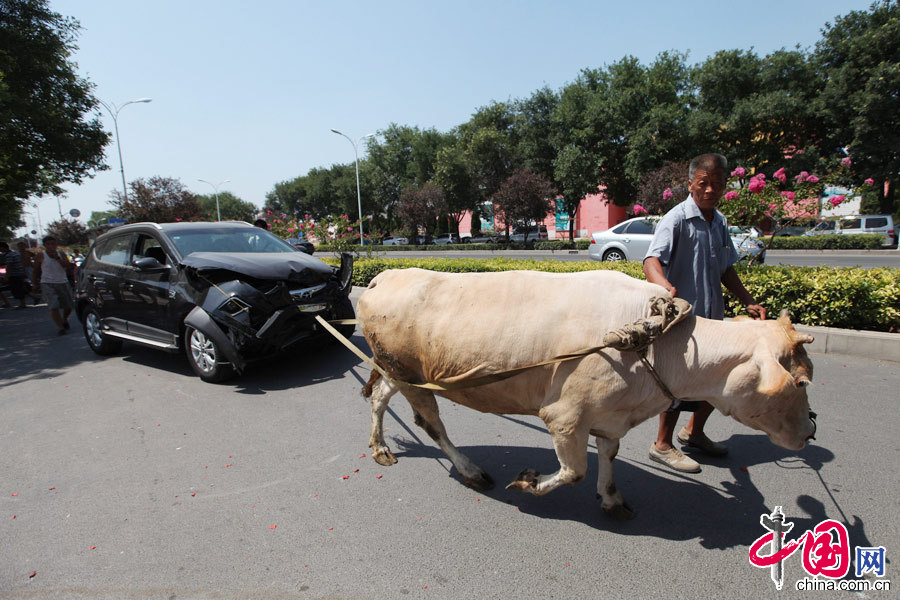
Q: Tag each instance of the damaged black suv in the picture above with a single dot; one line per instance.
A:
(227, 293)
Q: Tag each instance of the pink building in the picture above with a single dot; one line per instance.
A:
(594, 214)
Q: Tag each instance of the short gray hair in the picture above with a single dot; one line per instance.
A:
(707, 162)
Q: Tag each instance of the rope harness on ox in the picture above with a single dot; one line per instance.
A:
(634, 337)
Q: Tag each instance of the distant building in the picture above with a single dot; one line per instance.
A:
(595, 213)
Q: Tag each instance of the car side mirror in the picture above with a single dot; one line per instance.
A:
(148, 263)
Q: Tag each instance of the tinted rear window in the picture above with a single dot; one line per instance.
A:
(872, 222)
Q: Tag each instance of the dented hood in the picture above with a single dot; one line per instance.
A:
(281, 266)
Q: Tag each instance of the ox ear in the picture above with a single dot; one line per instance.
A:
(773, 378)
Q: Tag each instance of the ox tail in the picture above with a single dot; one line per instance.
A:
(373, 379)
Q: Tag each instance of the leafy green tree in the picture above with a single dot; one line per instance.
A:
(453, 175)
(535, 132)
(158, 200)
(48, 134)
(489, 144)
(755, 110)
(231, 207)
(399, 157)
(99, 217)
(616, 124)
(858, 59)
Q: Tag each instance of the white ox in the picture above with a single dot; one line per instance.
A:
(424, 326)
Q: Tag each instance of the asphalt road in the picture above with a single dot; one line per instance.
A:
(834, 258)
(127, 477)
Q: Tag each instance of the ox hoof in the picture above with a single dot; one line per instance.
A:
(482, 482)
(620, 512)
(384, 456)
(526, 481)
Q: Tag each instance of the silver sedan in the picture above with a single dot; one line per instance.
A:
(631, 239)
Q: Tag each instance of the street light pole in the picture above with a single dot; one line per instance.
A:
(216, 187)
(356, 154)
(114, 113)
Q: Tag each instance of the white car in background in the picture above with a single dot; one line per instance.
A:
(631, 239)
(394, 241)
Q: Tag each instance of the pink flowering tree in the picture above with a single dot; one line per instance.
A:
(753, 199)
(336, 231)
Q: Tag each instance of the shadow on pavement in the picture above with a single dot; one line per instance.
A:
(31, 347)
(679, 509)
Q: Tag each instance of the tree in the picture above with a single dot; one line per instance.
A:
(858, 61)
(401, 156)
(524, 197)
(755, 110)
(231, 207)
(68, 232)
(452, 173)
(48, 134)
(615, 124)
(158, 200)
(99, 217)
(663, 188)
(421, 207)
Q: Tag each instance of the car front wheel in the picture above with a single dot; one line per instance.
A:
(103, 345)
(613, 255)
(205, 357)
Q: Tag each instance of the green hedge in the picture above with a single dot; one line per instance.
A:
(850, 298)
(817, 242)
(867, 241)
(552, 246)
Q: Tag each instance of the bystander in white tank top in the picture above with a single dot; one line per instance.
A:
(51, 271)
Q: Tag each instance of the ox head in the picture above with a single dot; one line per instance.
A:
(779, 404)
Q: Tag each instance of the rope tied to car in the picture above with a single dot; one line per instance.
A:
(637, 337)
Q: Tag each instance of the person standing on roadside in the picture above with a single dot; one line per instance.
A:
(15, 274)
(692, 256)
(50, 269)
(28, 264)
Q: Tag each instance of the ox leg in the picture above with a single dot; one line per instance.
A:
(428, 418)
(571, 450)
(613, 503)
(382, 391)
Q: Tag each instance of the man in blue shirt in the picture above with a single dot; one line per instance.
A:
(692, 256)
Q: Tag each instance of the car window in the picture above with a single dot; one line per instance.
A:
(872, 222)
(639, 227)
(850, 224)
(620, 228)
(115, 250)
(149, 246)
(825, 226)
(230, 239)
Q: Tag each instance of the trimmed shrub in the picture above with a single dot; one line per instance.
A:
(852, 298)
(865, 241)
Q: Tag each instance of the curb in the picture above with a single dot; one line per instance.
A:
(876, 345)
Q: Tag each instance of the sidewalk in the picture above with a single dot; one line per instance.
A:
(865, 344)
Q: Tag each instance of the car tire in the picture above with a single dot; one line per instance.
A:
(343, 309)
(613, 255)
(205, 357)
(103, 345)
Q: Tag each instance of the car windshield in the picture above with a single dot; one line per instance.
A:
(251, 239)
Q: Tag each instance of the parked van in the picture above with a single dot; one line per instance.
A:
(529, 235)
(858, 224)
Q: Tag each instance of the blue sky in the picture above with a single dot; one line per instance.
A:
(249, 91)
